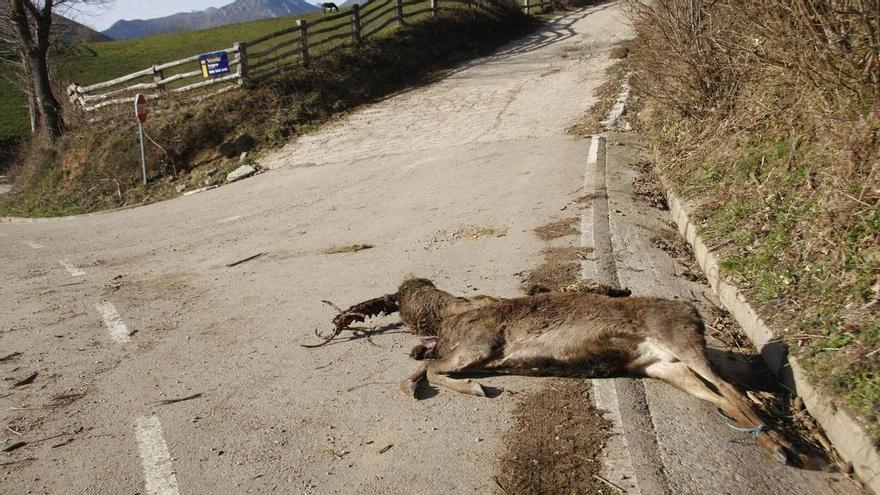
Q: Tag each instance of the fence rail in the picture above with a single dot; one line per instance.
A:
(261, 57)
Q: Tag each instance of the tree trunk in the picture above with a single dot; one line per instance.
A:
(32, 23)
(48, 109)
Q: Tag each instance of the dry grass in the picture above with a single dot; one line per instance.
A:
(557, 229)
(766, 115)
(560, 269)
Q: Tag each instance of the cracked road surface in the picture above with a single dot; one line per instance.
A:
(119, 311)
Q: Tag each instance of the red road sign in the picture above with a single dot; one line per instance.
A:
(140, 108)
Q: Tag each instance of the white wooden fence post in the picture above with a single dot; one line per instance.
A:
(304, 39)
(157, 79)
(434, 7)
(356, 24)
(241, 48)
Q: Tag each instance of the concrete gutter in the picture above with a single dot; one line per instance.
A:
(845, 432)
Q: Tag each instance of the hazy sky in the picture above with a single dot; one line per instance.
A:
(103, 17)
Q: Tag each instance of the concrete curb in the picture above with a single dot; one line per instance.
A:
(844, 431)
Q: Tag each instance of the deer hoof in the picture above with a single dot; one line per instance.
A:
(775, 446)
(409, 388)
(780, 454)
(477, 389)
(777, 452)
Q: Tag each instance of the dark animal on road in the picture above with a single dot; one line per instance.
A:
(561, 333)
(329, 7)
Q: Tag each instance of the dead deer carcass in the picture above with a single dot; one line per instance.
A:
(565, 333)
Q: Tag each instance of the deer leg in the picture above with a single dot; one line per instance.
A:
(411, 383)
(769, 440)
(680, 376)
(684, 377)
(459, 360)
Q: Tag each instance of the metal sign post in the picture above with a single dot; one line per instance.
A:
(140, 111)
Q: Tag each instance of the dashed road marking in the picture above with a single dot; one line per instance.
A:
(71, 269)
(118, 331)
(33, 245)
(159, 475)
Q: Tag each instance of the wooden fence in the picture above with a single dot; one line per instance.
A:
(264, 56)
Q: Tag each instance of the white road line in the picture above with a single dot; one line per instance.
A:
(33, 245)
(586, 242)
(616, 461)
(118, 331)
(158, 471)
(593, 154)
(617, 464)
(230, 219)
(586, 217)
(71, 269)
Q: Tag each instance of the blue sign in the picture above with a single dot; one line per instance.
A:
(214, 64)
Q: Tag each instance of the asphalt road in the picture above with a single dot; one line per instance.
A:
(117, 311)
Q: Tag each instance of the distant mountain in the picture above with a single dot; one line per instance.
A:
(64, 29)
(74, 33)
(237, 11)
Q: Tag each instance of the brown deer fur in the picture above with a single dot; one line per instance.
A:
(569, 333)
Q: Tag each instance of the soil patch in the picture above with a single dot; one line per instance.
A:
(553, 446)
(561, 268)
(557, 229)
(647, 186)
(347, 248)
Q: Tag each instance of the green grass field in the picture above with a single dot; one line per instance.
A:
(91, 63)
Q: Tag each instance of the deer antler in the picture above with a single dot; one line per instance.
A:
(386, 304)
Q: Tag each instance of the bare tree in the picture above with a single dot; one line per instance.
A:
(26, 36)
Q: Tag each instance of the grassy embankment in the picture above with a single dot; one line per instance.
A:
(766, 115)
(95, 165)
